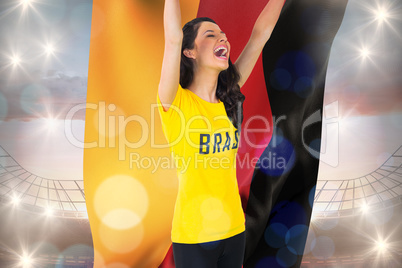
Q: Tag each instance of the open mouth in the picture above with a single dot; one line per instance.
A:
(220, 52)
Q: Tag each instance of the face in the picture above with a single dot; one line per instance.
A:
(211, 47)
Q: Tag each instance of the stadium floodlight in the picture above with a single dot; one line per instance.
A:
(26, 3)
(26, 261)
(51, 123)
(365, 208)
(49, 49)
(381, 246)
(15, 200)
(15, 60)
(381, 15)
(364, 53)
(49, 212)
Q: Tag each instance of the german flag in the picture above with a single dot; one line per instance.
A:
(281, 130)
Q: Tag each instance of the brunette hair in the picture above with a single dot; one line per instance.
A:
(228, 90)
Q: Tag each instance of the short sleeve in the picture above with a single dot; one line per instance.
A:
(172, 119)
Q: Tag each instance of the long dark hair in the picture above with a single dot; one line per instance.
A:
(228, 90)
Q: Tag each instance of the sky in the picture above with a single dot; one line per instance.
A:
(43, 74)
(44, 51)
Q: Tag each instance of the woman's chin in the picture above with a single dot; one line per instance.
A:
(224, 67)
(219, 66)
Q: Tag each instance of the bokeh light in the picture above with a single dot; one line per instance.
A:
(106, 121)
(285, 257)
(275, 235)
(310, 241)
(114, 218)
(121, 202)
(211, 208)
(73, 252)
(294, 72)
(121, 240)
(280, 79)
(278, 158)
(296, 234)
(324, 247)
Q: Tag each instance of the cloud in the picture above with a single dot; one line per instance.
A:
(53, 95)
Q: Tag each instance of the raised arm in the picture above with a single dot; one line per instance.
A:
(170, 74)
(262, 30)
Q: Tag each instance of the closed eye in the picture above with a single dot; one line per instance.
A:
(211, 35)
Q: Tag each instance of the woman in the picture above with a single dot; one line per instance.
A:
(200, 105)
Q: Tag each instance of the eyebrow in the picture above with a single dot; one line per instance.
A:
(211, 31)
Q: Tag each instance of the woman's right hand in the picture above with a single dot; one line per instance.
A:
(170, 73)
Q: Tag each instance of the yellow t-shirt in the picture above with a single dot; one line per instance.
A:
(204, 144)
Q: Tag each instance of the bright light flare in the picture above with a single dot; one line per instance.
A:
(49, 49)
(15, 60)
(51, 123)
(365, 208)
(381, 15)
(49, 212)
(15, 200)
(26, 261)
(26, 3)
(364, 53)
(382, 246)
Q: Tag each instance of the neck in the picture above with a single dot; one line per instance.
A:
(204, 84)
